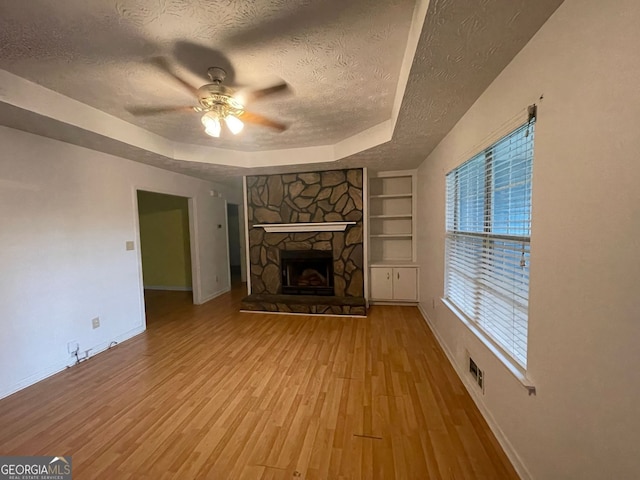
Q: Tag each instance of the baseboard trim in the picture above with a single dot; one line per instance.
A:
(119, 339)
(305, 314)
(33, 379)
(214, 295)
(43, 374)
(504, 442)
(399, 303)
(168, 288)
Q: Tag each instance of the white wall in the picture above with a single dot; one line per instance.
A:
(584, 335)
(65, 215)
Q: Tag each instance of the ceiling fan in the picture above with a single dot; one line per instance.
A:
(218, 102)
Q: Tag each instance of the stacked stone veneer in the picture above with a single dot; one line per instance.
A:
(331, 196)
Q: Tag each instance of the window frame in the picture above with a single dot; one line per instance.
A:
(490, 242)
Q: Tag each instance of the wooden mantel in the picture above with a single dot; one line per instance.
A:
(304, 227)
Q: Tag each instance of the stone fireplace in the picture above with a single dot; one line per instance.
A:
(302, 206)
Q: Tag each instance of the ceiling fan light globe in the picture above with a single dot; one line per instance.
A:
(209, 119)
(234, 124)
(211, 124)
(212, 132)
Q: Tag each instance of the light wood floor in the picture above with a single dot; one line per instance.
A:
(208, 392)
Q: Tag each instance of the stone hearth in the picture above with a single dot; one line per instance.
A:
(317, 197)
(308, 304)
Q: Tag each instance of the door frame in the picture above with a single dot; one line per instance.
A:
(193, 241)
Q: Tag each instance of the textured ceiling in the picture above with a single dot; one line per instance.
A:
(342, 60)
(346, 54)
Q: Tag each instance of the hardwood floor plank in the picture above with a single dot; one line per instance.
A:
(209, 392)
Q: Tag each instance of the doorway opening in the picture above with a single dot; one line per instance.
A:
(165, 246)
(235, 248)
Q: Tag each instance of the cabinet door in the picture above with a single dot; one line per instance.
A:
(381, 283)
(405, 283)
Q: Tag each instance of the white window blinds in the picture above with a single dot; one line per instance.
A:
(487, 241)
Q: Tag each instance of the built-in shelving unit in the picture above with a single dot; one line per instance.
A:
(392, 217)
(392, 237)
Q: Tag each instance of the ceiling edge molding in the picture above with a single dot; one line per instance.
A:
(413, 38)
(50, 106)
(47, 104)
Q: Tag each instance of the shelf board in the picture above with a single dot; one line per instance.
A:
(392, 262)
(393, 195)
(403, 215)
(392, 235)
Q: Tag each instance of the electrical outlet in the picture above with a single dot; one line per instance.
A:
(73, 347)
(129, 245)
(217, 280)
(95, 322)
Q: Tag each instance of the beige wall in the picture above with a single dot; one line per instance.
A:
(66, 215)
(585, 249)
(164, 241)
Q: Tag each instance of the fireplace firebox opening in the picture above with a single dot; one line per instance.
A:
(307, 272)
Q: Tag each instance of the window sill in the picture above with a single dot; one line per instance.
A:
(514, 368)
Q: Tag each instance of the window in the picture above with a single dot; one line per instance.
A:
(487, 241)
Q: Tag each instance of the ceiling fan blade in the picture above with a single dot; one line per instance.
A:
(285, 23)
(163, 64)
(249, 117)
(146, 111)
(252, 95)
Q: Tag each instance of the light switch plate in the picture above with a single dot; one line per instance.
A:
(130, 245)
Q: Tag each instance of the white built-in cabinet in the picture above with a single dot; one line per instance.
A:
(392, 237)
(398, 284)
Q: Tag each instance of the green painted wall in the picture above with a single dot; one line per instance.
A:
(164, 239)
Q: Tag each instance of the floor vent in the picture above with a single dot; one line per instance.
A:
(476, 374)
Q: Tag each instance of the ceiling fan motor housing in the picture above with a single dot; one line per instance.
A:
(216, 74)
(214, 96)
